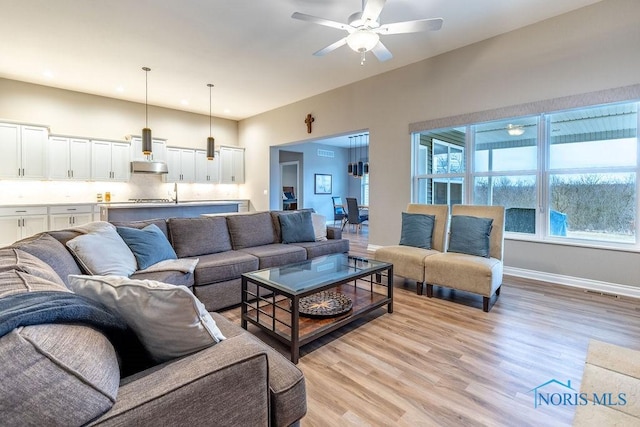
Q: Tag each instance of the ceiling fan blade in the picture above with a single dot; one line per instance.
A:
(433, 24)
(331, 47)
(372, 9)
(321, 21)
(381, 52)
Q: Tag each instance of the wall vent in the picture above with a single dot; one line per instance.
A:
(325, 153)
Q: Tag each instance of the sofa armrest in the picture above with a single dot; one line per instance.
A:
(226, 384)
(334, 233)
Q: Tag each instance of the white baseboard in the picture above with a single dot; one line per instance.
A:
(576, 282)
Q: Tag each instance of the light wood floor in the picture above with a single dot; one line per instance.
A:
(444, 362)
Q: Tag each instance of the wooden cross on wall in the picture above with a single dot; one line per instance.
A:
(310, 119)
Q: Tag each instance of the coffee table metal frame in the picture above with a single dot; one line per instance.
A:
(274, 307)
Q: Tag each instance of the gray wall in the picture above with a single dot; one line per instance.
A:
(591, 49)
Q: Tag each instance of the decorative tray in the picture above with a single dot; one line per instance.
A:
(325, 304)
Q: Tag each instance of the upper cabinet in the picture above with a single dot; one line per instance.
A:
(231, 165)
(207, 171)
(158, 149)
(69, 158)
(23, 151)
(181, 163)
(110, 160)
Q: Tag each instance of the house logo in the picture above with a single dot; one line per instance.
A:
(557, 393)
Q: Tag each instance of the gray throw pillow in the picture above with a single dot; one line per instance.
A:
(297, 227)
(470, 235)
(417, 230)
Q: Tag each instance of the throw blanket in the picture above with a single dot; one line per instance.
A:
(37, 308)
(185, 265)
(54, 307)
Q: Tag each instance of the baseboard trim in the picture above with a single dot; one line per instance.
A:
(606, 288)
(575, 282)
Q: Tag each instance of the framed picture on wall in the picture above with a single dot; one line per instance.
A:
(322, 183)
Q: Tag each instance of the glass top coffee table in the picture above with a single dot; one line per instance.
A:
(272, 298)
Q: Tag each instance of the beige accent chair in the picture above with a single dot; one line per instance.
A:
(408, 261)
(471, 273)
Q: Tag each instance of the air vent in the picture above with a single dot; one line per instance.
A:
(325, 153)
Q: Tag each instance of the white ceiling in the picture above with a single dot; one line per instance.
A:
(255, 54)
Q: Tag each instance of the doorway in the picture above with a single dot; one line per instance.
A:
(290, 181)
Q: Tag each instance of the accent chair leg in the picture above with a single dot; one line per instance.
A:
(419, 288)
(498, 290)
(429, 290)
(485, 304)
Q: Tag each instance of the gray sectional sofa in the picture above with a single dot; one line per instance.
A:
(70, 374)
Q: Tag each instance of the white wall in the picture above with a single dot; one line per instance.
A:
(591, 49)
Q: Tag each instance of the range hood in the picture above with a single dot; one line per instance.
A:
(141, 166)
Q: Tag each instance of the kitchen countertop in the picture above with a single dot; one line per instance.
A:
(120, 205)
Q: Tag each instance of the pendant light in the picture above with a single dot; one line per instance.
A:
(366, 164)
(354, 172)
(210, 140)
(350, 166)
(360, 162)
(146, 132)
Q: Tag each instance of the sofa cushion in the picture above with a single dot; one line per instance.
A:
(249, 230)
(51, 252)
(56, 375)
(102, 251)
(12, 259)
(149, 245)
(277, 254)
(324, 247)
(224, 266)
(286, 381)
(16, 282)
(198, 236)
(296, 227)
(168, 319)
(417, 230)
(470, 235)
(319, 226)
(175, 277)
(161, 223)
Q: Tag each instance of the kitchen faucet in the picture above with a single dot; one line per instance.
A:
(175, 192)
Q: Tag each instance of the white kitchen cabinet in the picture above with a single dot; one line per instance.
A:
(69, 216)
(181, 163)
(23, 151)
(158, 149)
(207, 171)
(231, 165)
(110, 160)
(19, 222)
(69, 158)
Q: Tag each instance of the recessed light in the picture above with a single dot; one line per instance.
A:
(226, 110)
(184, 102)
(48, 74)
(120, 89)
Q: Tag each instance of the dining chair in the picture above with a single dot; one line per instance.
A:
(354, 216)
(338, 209)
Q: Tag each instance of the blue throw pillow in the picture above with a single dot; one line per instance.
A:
(470, 235)
(417, 230)
(149, 245)
(297, 227)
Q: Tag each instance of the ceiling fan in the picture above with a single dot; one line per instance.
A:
(364, 30)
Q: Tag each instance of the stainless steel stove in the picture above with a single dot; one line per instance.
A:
(150, 200)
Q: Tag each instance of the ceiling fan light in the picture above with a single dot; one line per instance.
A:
(362, 40)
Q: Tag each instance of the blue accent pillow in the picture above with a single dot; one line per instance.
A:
(149, 245)
(417, 230)
(297, 227)
(470, 235)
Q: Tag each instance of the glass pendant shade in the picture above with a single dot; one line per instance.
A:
(366, 168)
(211, 148)
(360, 168)
(146, 142)
(350, 168)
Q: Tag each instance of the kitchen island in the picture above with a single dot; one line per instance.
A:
(144, 211)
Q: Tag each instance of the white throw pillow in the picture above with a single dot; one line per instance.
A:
(319, 226)
(168, 319)
(103, 252)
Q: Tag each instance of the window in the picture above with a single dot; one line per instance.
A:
(364, 187)
(569, 175)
